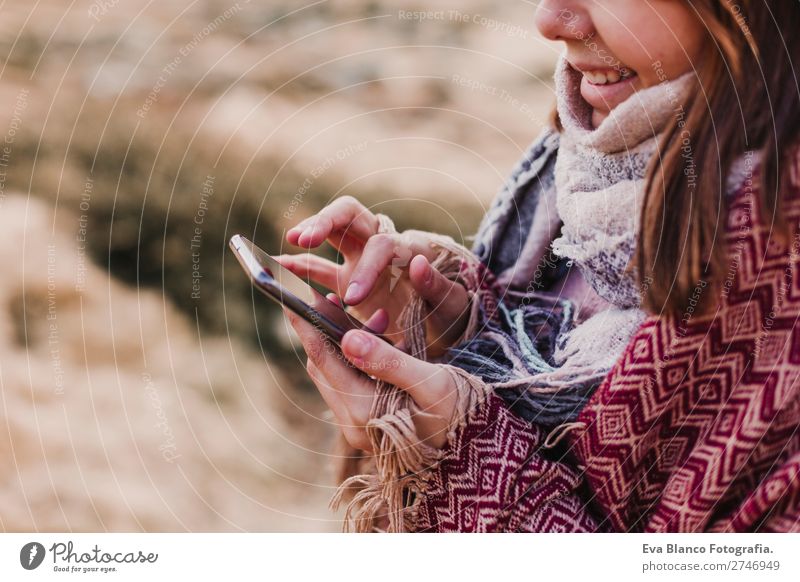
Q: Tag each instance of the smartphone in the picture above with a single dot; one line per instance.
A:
(287, 289)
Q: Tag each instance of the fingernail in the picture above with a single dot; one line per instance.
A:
(429, 275)
(359, 344)
(352, 292)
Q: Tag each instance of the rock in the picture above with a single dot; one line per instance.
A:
(117, 416)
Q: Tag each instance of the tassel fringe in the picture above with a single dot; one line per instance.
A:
(383, 490)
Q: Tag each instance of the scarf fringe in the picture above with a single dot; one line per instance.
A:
(383, 490)
(388, 499)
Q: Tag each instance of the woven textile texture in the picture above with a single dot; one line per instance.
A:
(694, 429)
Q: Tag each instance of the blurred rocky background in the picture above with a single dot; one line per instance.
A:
(144, 387)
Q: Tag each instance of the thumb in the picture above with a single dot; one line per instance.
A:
(426, 383)
(447, 299)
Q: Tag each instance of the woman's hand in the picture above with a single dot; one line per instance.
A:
(350, 394)
(379, 270)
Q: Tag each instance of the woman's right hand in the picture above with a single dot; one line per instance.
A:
(379, 271)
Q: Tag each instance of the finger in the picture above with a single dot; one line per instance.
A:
(352, 388)
(334, 298)
(343, 386)
(378, 321)
(346, 391)
(351, 410)
(348, 246)
(345, 214)
(348, 215)
(293, 234)
(378, 254)
(323, 353)
(316, 344)
(319, 348)
(308, 266)
(428, 384)
(331, 397)
(446, 299)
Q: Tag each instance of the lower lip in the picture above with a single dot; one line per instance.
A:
(607, 97)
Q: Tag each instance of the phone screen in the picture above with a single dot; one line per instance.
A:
(289, 290)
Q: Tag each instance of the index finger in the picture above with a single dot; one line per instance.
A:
(345, 214)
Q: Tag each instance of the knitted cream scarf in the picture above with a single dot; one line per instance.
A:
(600, 178)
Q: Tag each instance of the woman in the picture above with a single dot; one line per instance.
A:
(620, 352)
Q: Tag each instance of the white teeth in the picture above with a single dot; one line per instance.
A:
(606, 77)
(595, 77)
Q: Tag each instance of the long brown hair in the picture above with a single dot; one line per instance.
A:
(748, 98)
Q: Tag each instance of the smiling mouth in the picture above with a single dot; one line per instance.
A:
(605, 88)
(608, 76)
(604, 75)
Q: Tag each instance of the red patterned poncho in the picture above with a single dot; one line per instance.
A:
(694, 429)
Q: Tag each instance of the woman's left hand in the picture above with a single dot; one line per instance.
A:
(350, 394)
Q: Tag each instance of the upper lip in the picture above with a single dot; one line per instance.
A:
(587, 68)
